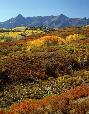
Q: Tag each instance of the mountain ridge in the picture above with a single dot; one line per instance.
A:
(50, 21)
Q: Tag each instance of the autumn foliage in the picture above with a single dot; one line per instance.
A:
(56, 62)
(70, 100)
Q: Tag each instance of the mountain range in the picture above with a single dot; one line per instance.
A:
(50, 21)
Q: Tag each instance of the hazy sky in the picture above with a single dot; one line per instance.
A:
(71, 8)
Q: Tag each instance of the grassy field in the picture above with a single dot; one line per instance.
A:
(13, 35)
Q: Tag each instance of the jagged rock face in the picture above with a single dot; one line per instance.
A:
(50, 21)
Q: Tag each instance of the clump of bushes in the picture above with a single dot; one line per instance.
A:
(67, 102)
(24, 66)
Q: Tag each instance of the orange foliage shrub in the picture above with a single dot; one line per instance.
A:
(2, 111)
(64, 102)
(25, 66)
(78, 92)
(45, 41)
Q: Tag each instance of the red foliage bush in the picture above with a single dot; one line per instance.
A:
(24, 66)
(55, 103)
(78, 92)
(2, 111)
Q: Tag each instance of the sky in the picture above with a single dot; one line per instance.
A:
(70, 8)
